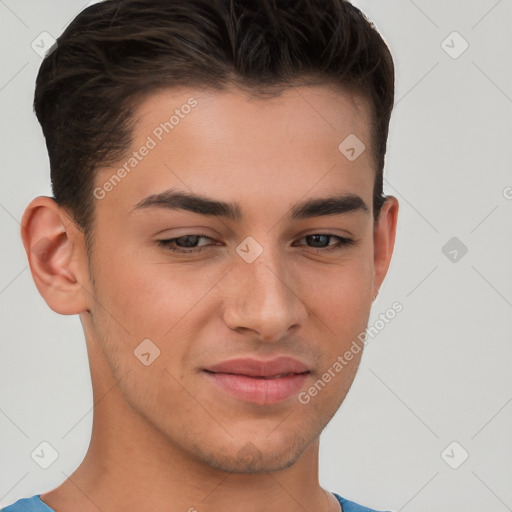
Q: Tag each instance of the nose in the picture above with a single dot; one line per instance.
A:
(261, 298)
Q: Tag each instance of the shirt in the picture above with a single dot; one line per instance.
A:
(35, 504)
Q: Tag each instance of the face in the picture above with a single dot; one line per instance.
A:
(180, 285)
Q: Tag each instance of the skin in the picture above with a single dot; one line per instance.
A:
(164, 438)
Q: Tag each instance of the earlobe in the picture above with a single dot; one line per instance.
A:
(55, 254)
(384, 240)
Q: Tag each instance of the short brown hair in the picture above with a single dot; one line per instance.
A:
(117, 51)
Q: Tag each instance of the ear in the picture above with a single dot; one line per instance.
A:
(56, 254)
(384, 232)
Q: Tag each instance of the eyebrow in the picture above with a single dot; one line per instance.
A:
(314, 207)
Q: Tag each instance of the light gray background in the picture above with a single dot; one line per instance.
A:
(438, 373)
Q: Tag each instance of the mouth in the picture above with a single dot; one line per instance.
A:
(252, 367)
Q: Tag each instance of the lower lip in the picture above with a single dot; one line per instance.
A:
(258, 390)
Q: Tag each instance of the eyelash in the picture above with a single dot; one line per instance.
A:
(342, 243)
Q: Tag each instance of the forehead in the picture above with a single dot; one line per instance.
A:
(307, 107)
(232, 144)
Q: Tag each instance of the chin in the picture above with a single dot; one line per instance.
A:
(251, 458)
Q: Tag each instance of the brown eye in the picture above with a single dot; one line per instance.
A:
(321, 241)
(184, 244)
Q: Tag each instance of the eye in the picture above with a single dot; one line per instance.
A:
(184, 244)
(320, 240)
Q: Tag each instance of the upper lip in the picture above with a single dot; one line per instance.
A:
(259, 368)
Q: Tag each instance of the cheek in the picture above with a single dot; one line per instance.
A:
(342, 295)
(150, 297)
(342, 308)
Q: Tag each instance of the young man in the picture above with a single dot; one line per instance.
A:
(219, 225)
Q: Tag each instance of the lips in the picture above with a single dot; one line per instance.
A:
(259, 382)
(270, 369)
